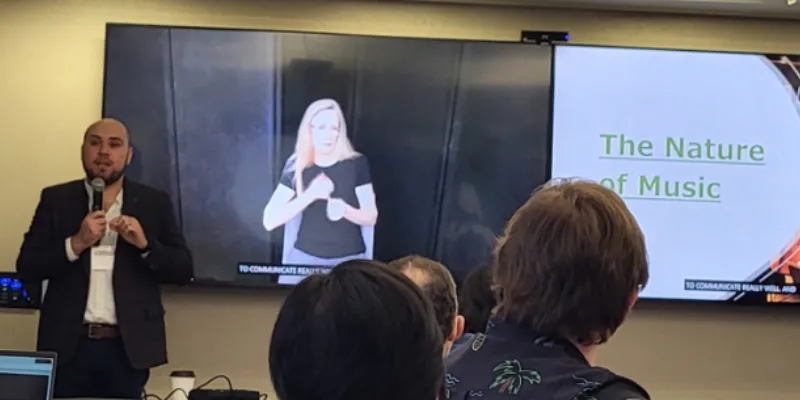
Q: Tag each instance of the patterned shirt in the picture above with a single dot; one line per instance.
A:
(510, 361)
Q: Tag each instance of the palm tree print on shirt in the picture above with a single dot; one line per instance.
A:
(586, 386)
(511, 377)
(544, 341)
(450, 382)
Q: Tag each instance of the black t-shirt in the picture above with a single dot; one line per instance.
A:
(318, 235)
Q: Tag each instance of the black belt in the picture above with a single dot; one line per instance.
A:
(101, 331)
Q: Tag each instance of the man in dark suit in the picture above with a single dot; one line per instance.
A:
(102, 312)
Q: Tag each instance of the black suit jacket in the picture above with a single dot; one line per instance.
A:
(140, 313)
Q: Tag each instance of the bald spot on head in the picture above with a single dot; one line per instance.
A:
(418, 276)
(436, 283)
(110, 127)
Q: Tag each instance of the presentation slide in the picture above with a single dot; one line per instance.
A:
(703, 149)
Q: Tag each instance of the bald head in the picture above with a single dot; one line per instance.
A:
(438, 286)
(106, 151)
(110, 126)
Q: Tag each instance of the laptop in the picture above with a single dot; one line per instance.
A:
(27, 375)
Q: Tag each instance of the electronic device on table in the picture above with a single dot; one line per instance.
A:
(15, 293)
(27, 375)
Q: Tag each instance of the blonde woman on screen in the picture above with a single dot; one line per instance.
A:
(326, 184)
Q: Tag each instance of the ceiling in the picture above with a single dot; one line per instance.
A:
(746, 8)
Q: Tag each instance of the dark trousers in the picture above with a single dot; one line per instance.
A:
(100, 369)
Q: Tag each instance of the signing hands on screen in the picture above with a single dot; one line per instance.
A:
(321, 187)
(286, 204)
(336, 209)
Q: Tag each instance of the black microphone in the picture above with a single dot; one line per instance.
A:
(98, 186)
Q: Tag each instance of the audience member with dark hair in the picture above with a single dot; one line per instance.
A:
(475, 303)
(438, 285)
(363, 331)
(567, 272)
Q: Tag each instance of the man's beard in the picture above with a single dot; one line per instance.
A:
(112, 179)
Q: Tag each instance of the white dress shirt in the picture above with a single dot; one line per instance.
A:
(100, 306)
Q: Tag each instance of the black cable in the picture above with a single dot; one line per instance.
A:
(176, 391)
(208, 382)
(150, 396)
(155, 397)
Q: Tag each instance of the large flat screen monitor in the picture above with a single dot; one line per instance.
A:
(702, 147)
(286, 153)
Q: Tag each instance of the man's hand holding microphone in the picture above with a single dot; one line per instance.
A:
(93, 227)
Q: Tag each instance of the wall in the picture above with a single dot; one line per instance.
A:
(50, 89)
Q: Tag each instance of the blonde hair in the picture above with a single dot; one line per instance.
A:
(304, 148)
